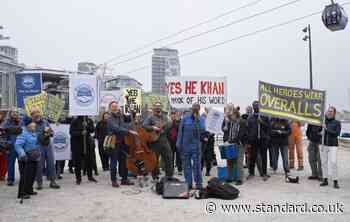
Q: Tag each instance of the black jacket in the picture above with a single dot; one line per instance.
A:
(101, 131)
(242, 133)
(280, 130)
(265, 128)
(333, 128)
(314, 133)
(77, 138)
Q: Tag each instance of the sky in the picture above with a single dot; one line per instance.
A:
(59, 34)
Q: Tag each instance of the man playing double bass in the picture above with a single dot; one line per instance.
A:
(118, 126)
(159, 124)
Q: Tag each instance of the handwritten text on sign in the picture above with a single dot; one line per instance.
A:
(207, 91)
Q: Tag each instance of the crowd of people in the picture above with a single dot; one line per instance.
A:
(183, 144)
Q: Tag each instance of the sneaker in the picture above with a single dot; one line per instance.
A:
(265, 177)
(39, 186)
(250, 177)
(115, 184)
(239, 182)
(25, 196)
(336, 185)
(33, 193)
(78, 182)
(10, 183)
(313, 178)
(179, 173)
(91, 179)
(127, 183)
(59, 177)
(54, 185)
(324, 183)
(301, 168)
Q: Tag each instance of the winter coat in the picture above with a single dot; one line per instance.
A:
(242, 131)
(253, 128)
(280, 131)
(333, 129)
(117, 124)
(27, 143)
(77, 138)
(101, 131)
(314, 133)
(13, 129)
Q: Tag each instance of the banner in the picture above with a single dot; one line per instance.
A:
(293, 103)
(54, 108)
(132, 100)
(106, 97)
(149, 99)
(61, 142)
(27, 84)
(214, 121)
(183, 91)
(35, 102)
(83, 95)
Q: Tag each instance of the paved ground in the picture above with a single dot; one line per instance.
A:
(91, 202)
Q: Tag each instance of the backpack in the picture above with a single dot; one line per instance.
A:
(218, 189)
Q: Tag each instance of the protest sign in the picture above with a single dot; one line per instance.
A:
(83, 95)
(214, 121)
(207, 91)
(54, 108)
(106, 97)
(27, 84)
(132, 100)
(304, 105)
(148, 101)
(37, 102)
(61, 141)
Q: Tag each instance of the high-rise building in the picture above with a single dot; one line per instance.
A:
(165, 62)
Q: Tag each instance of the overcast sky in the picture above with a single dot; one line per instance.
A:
(59, 34)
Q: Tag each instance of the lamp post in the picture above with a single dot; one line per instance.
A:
(307, 37)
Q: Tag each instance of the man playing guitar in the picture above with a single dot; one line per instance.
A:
(159, 124)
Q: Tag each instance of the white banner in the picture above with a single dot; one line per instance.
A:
(183, 91)
(214, 121)
(106, 97)
(83, 95)
(61, 142)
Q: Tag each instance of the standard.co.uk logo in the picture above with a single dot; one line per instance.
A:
(84, 95)
(28, 82)
(60, 141)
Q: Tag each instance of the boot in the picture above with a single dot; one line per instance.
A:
(127, 182)
(336, 185)
(39, 186)
(91, 179)
(54, 185)
(324, 183)
(115, 184)
(78, 182)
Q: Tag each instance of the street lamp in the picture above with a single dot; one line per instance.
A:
(307, 37)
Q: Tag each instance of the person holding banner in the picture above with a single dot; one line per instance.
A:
(259, 130)
(314, 135)
(235, 133)
(159, 124)
(191, 130)
(118, 126)
(332, 129)
(280, 130)
(80, 131)
(13, 127)
(47, 161)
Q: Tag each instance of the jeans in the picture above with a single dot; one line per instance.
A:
(11, 162)
(315, 159)
(46, 164)
(276, 149)
(118, 156)
(191, 160)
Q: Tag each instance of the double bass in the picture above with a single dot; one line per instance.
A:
(141, 160)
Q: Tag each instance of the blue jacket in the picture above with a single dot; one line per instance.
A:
(190, 133)
(26, 141)
(9, 125)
